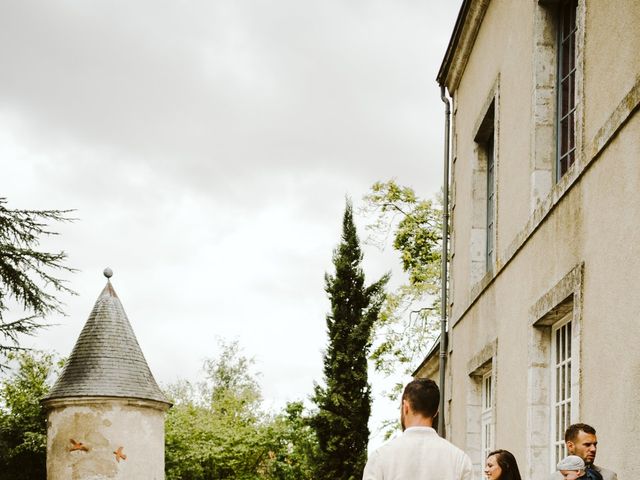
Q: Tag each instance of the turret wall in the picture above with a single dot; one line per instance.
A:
(105, 438)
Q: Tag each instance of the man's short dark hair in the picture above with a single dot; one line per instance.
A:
(572, 432)
(423, 396)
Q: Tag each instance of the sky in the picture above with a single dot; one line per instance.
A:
(207, 148)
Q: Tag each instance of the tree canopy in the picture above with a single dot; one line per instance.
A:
(218, 429)
(28, 275)
(410, 318)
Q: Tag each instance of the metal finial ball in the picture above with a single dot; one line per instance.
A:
(108, 272)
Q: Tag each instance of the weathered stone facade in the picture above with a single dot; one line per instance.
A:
(550, 325)
(105, 438)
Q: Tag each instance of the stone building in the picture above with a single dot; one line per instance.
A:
(105, 413)
(545, 201)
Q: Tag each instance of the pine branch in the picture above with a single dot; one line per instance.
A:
(28, 274)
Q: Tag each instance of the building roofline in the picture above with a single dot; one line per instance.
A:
(462, 39)
(453, 42)
(435, 348)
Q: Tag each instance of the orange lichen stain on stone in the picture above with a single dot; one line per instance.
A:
(77, 446)
(119, 455)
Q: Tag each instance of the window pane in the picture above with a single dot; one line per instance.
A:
(572, 131)
(564, 96)
(572, 50)
(571, 81)
(566, 17)
(566, 86)
(565, 55)
(564, 136)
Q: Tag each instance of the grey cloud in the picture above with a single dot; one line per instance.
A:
(215, 93)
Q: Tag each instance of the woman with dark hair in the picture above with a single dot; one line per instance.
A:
(502, 465)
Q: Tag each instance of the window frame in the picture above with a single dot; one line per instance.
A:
(491, 200)
(561, 398)
(487, 429)
(486, 139)
(566, 104)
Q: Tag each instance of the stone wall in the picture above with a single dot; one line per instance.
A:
(103, 438)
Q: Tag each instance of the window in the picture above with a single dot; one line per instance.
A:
(566, 86)
(491, 201)
(486, 140)
(486, 418)
(481, 401)
(560, 386)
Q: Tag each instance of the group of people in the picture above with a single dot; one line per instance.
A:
(419, 453)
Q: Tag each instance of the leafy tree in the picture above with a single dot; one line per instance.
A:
(212, 431)
(293, 447)
(344, 404)
(23, 430)
(25, 271)
(217, 428)
(410, 318)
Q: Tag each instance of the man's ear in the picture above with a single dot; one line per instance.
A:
(571, 446)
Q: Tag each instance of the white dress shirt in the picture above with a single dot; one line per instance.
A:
(418, 454)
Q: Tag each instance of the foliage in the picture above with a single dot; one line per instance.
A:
(213, 429)
(217, 428)
(293, 446)
(23, 430)
(344, 404)
(410, 318)
(25, 270)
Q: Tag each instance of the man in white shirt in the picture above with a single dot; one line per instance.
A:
(419, 453)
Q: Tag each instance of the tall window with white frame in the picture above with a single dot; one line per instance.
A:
(486, 419)
(560, 386)
(566, 88)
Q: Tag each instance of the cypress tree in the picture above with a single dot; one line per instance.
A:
(344, 403)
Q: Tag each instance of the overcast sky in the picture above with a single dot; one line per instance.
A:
(207, 147)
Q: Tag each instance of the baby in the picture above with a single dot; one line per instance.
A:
(571, 467)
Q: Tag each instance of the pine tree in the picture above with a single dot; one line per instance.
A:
(344, 403)
(25, 271)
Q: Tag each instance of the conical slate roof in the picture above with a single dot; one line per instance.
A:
(107, 360)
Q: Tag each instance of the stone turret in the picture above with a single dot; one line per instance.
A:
(105, 413)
